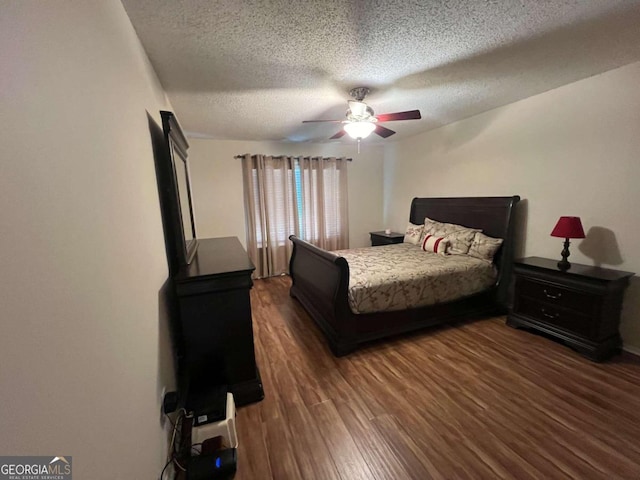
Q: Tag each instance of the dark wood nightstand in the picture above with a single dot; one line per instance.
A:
(381, 238)
(581, 306)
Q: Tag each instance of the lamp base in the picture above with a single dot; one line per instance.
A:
(564, 264)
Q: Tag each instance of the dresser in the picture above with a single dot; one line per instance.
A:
(215, 321)
(580, 307)
(382, 238)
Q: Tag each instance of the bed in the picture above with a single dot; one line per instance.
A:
(320, 279)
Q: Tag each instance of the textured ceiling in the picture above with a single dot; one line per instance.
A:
(254, 70)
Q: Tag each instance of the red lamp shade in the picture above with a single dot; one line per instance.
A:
(568, 227)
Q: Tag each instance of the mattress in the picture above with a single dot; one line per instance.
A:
(403, 276)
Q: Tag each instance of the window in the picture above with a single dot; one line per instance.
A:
(301, 196)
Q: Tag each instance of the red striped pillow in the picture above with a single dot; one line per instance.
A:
(434, 244)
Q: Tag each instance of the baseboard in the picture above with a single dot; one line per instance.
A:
(633, 350)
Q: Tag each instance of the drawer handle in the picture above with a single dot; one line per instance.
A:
(559, 294)
(549, 315)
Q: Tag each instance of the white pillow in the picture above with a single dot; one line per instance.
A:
(434, 244)
(413, 234)
(484, 247)
(430, 225)
(459, 237)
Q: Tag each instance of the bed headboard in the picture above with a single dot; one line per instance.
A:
(494, 215)
(491, 214)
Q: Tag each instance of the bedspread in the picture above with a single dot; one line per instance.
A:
(403, 276)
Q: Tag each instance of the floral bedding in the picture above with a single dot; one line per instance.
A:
(403, 276)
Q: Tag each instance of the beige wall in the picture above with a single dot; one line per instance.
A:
(217, 184)
(84, 351)
(574, 150)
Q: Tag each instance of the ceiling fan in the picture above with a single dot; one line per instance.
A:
(362, 121)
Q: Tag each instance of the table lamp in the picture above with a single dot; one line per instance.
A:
(567, 227)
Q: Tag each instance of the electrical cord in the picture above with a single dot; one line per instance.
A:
(173, 425)
(164, 469)
(171, 454)
(182, 413)
(174, 461)
(178, 464)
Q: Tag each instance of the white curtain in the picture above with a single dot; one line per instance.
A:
(302, 196)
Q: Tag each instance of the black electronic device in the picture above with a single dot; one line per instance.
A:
(170, 402)
(208, 406)
(220, 465)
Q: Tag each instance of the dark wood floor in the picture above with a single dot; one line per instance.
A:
(478, 400)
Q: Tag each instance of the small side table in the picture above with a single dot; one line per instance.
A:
(581, 306)
(381, 238)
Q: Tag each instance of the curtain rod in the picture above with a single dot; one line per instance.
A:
(299, 156)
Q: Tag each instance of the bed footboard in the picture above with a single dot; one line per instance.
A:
(320, 282)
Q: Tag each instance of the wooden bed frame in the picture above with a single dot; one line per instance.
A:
(320, 279)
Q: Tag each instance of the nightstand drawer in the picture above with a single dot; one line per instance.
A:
(557, 296)
(569, 320)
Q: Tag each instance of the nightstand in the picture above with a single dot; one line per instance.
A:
(381, 238)
(580, 307)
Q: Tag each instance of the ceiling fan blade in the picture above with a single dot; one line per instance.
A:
(338, 135)
(315, 121)
(390, 117)
(384, 132)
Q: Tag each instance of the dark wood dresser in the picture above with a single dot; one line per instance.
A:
(215, 319)
(581, 306)
(382, 238)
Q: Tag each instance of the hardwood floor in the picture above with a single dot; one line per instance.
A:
(478, 400)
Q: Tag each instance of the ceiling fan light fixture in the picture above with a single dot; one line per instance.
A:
(359, 129)
(357, 109)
